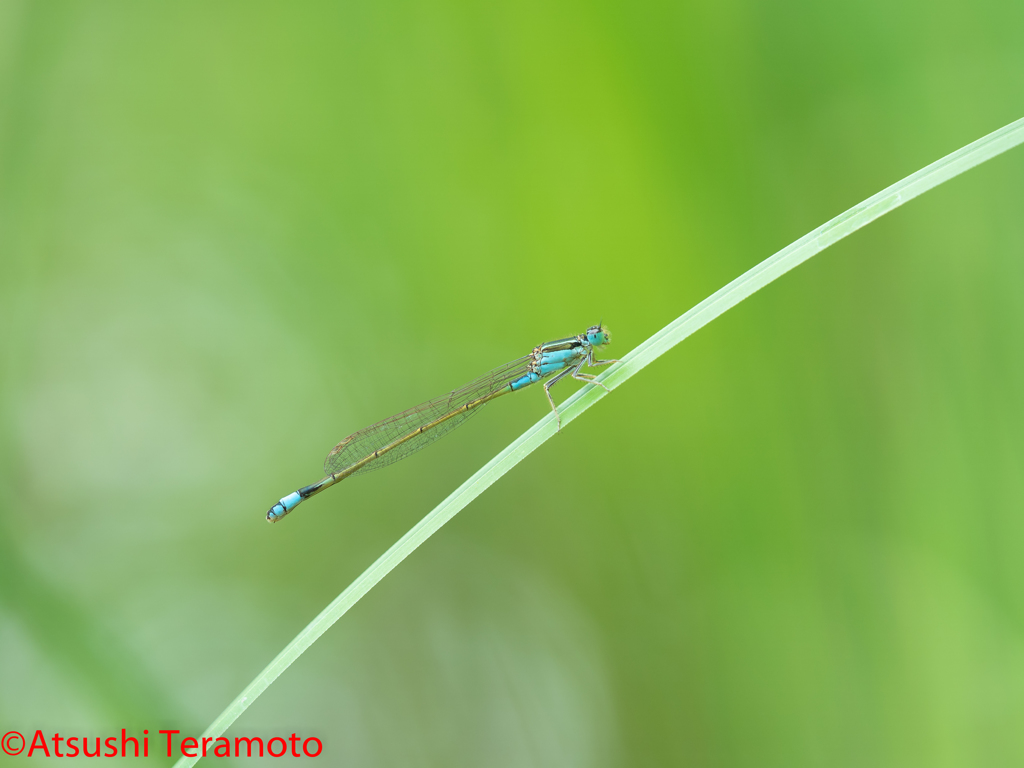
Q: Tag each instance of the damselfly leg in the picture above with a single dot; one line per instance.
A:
(547, 391)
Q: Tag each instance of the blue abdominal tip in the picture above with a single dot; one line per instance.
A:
(283, 507)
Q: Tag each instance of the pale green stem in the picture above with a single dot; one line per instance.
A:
(653, 348)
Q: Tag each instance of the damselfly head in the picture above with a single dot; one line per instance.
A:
(598, 335)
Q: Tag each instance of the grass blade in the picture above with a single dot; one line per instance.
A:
(759, 276)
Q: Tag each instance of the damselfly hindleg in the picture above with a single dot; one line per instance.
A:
(547, 391)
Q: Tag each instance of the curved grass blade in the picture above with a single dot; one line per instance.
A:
(743, 286)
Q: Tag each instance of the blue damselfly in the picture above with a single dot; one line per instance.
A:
(405, 433)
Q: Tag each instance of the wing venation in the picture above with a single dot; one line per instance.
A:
(382, 434)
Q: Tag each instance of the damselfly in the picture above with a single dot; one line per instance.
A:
(401, 435)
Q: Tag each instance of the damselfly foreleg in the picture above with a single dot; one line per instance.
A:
(588, 378)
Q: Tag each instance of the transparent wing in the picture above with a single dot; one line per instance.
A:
(364, 442)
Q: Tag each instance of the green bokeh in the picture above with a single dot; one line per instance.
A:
(233, 233)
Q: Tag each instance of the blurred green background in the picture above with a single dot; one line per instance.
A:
(233, 233)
